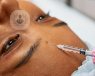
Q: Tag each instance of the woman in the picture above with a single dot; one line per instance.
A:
(29, 54)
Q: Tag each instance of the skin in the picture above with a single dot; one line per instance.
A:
(46, 60)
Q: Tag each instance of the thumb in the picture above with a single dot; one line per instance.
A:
(93, 52)
(93, 60)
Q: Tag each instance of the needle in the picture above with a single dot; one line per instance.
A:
(52, 44)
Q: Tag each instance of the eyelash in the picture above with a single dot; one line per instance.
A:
(42, 17)
(9, 44)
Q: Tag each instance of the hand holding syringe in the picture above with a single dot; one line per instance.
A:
(77, 50)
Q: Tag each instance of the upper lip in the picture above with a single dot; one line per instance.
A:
(49, 19)
(60, 23)
(53, 18)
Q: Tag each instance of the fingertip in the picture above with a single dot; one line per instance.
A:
(93, 60)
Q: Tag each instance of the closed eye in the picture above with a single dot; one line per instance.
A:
(42, 17)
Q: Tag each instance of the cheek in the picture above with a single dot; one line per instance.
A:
(58, 35)
(43, 62)
(61, 35)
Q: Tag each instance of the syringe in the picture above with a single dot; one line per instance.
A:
(75, 49)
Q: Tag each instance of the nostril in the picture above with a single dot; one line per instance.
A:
(6, 8)
(9, 5)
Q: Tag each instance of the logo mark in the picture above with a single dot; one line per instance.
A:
(19, 20)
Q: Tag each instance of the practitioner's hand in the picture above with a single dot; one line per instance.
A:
(93, 54)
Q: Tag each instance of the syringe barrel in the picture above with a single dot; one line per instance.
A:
(75, 49)
(71, 49)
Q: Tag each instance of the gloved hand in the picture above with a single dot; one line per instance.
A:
(93, 54)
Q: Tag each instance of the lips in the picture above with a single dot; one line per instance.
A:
(52, 19)
(49, 19)
(60, 23)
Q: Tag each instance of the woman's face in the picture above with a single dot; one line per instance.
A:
(30, 54)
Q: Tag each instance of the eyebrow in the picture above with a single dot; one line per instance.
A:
(29, 54)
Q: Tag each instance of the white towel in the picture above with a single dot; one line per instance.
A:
(86, 69)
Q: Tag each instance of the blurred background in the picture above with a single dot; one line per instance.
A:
(86, 7)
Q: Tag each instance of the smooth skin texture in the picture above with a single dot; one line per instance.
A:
(46, 60)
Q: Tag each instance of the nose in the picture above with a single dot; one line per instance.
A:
(6, 8)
